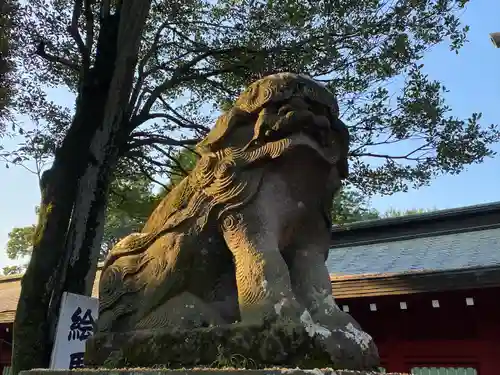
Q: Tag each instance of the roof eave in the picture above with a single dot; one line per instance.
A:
(373, 285)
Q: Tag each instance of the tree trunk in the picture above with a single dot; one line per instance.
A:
(74, 190)
(86, 233)
(88, 222)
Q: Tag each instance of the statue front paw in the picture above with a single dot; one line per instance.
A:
(341, 336)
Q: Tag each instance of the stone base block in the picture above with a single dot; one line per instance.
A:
(235, 346)
(196, 371)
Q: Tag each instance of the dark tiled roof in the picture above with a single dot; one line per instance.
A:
(451, 251)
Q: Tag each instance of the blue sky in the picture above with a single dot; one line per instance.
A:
(473, 78)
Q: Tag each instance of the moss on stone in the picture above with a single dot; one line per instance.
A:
(115, 360)
(234, 345)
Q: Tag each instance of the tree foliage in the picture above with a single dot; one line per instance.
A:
(393, 212)
(130, 204)
(20, 243)
(13, 270)
(183, 162)
(205, 52)
(350, 206)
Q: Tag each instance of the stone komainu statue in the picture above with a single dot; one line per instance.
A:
(244, 238)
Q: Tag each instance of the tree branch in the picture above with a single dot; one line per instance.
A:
(154, 162)
(187, 39)
(176, 161)
(89, 25)
(142, 117)
(18, 163)
(188, 123)
(169, 118)
(406, 157)
(179, 77)
(165, 65)
(180, 74)
(40, 51)
(150, 139)
(142, 64)
(75, 34)
(146, 173)
(138, 101)
(220, 86)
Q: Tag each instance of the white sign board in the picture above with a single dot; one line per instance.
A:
(76, 323)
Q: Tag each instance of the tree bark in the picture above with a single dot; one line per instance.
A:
(87, 224)
(74, 190)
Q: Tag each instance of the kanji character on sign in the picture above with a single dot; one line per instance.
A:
(76, 360)
(82, 326)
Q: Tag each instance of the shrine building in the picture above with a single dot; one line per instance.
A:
(424, 286)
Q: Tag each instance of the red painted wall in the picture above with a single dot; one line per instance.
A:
(454, 334)
(5, 345)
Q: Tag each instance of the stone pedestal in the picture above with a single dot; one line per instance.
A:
(194, 371)
(235, 346)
